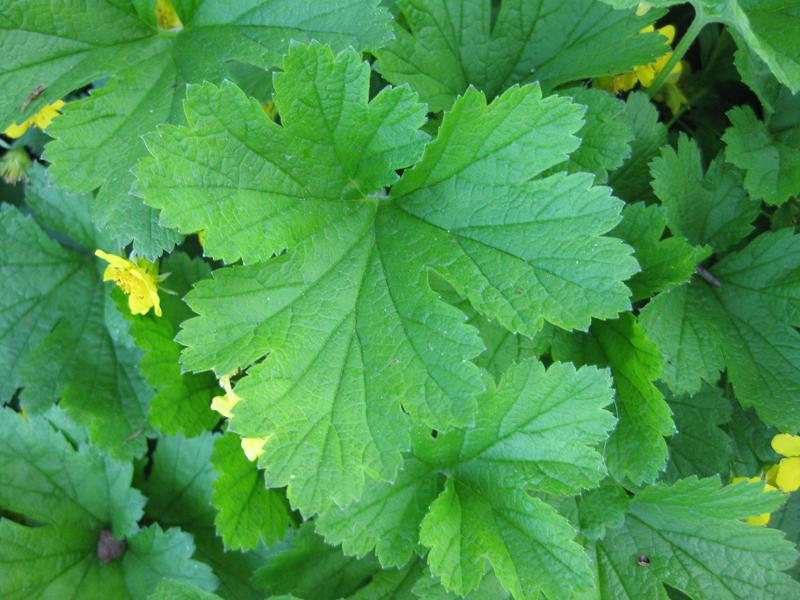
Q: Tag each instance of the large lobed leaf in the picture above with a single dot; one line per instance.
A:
(347, 321)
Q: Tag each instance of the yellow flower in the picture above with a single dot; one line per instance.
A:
(253, 447)
(646, 75)
(41, 119)
(787, 474)
(224, 404)
(138, 280)
(166, 17)
(763, 518)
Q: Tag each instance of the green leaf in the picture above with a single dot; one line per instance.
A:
(170, 589)
(665, 262)
(181, 401)
(334, 575)
(744, 324)
(429, 588)
(704, 207)
(98, 137)
(447, 46)
(74, 496)
(699, 447)
(528, 544)
(286, 183)
(179, 481)
(375, 336)
(693, 537)
(637, 449)
(393, 584)
(768, 155)
(44, 478)
(386, 518)
(55, 300)
(247, 510)
(605, 137)
(180, 488)
(631, 181)
(535, 431)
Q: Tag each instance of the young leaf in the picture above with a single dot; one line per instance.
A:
(347, 316)
(605, 137)
(448, 46)
(743, 319)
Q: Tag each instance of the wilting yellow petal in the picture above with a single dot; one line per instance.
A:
(253, 447)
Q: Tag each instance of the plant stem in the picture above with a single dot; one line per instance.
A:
(680, 51)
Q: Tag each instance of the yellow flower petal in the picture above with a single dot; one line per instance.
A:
(166, 17)
(787, 445)
(668, 31)
(253, 447)
(761, 519)
(788, 478)
(224, 404)
(138, 281)
(41, 119)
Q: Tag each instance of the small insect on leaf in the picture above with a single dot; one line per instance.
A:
(643, 560)
(33, 95)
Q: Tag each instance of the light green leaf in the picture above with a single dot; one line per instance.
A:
(528, 544)
(256, 187)
(386, 518)
(445, 46)
(347, 317)
(704, 207)
(536, 431)
(665, 262)
(744, 324)
(98, 137)
(637, 449)
(692, 533)
(247, 510)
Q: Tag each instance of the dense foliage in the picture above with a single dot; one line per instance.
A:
(402, 299)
